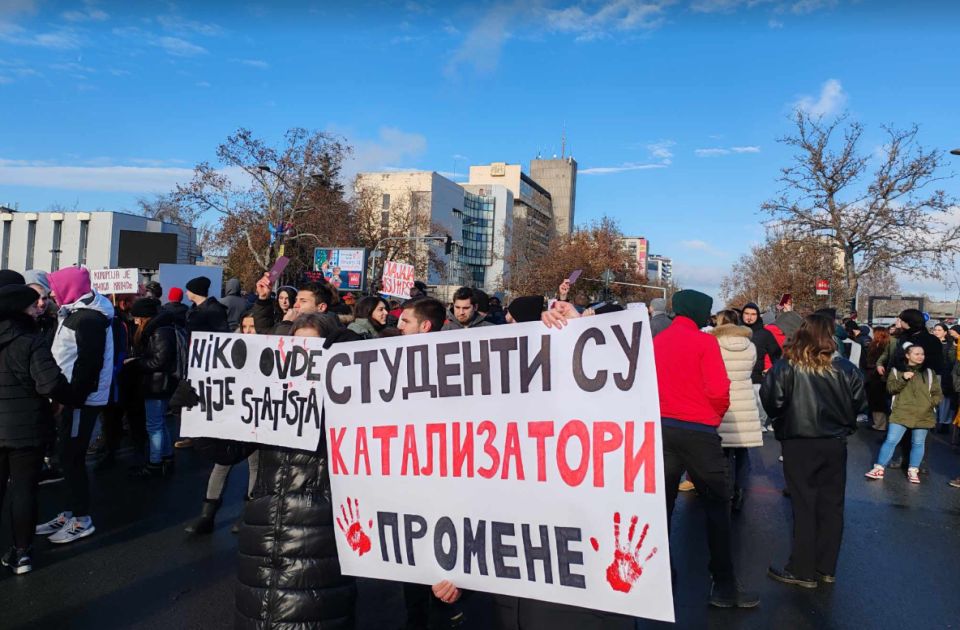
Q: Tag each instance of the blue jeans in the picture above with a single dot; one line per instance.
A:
(157, 432)
(894, 435)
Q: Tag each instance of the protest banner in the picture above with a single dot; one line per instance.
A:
(112, 281)
(398, 279)
(256, 388)
(518, 460)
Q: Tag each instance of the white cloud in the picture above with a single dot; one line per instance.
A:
(831, 100)
(702, 246)
(622, 168)
(4, 80)
(716, 152)
(661, 156)
(89, 13)
(253, 63)
(482, 45)
(102, 178)
(179, 25)
(179, 47)
(801, 7)
(598, 20)
(63, 39)
(392, 146)
(661, 150)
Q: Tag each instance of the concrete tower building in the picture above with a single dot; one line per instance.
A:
(559, 178)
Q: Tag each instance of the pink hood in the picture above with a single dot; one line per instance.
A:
(69, 284)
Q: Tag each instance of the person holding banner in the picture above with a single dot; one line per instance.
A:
(311, 297)
(289, 574)
(814, 396)
(463, 313)
(370, 317)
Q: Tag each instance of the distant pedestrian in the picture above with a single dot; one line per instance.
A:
(659, 320)
(740, 428)
(876, 379)
(814, 397)
(768, 351)
(235, 303)
(916, 394)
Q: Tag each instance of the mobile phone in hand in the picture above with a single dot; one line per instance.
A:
(277, 270)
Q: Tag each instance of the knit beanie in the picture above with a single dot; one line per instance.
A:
(175, 295)
(9, 276)
(526, 308)
(69, 284)
(694, 305)
(199, 286)
(38, 277)
(14, 298)
(145, 307)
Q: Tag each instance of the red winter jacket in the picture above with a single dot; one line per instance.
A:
(691, 377)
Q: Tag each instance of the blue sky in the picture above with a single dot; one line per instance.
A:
(671, 107)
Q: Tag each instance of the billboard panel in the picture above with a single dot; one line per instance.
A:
(343, 268)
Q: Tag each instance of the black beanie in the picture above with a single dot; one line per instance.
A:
(526, 308)
(693, 304)
(913, 318)
(9, 276)
(145, 307)
(199, 286)
(14, 298)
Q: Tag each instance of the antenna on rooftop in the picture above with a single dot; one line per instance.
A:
(563, 142)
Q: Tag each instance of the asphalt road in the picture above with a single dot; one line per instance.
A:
(899, 566)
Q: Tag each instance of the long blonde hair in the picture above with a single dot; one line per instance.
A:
(813, 345)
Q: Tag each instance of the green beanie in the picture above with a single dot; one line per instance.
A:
(694, 305)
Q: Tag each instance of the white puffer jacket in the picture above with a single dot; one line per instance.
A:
(740, 427)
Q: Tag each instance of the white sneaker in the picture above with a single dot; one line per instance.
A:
(54, 526)
(76, 528)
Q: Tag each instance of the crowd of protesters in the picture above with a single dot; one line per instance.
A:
(72, 361)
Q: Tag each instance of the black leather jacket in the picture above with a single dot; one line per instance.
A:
(157, 357)
(808, 405)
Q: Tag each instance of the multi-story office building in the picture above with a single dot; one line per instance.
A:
(533, 225)
(559, 177)
(96, 240)
(638, 247)
(660, 269)
(478, 218)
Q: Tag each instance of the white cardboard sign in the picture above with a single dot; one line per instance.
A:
(256, 388)
(517, 459)
(398, 279)
(111, 281)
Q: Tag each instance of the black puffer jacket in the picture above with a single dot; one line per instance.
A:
(289, 573)
(808, 405)
(28, 377)
(156, 357)
(766, 345)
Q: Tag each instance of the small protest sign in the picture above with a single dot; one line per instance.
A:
(113, 281)
(398, 279)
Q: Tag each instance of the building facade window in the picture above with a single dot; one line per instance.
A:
(31, 242)
(55, 250)
(84, 237)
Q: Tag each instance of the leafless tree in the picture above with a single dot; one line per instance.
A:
(889, 218)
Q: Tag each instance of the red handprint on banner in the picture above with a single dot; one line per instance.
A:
(626, 567)
(353, 529)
